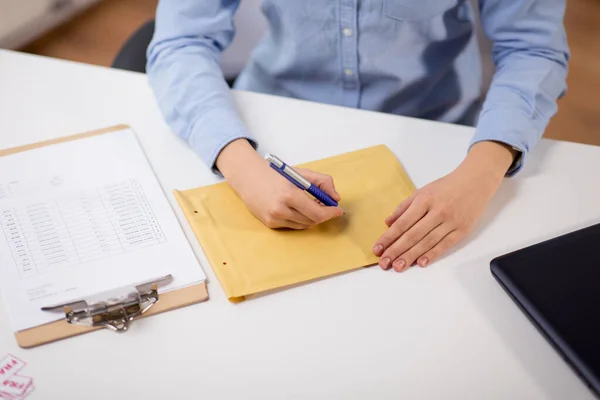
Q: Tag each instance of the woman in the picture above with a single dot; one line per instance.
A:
(406, 57)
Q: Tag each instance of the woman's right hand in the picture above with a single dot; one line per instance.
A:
(270, 197)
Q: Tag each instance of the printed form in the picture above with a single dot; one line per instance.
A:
(84, 217)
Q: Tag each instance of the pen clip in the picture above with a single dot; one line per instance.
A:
(288, 172)
(289, 178)
(291, 175)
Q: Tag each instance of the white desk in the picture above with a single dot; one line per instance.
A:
(447, 331)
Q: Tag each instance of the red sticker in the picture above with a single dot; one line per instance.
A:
(14, 386)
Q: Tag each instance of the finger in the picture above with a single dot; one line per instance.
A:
(399, 211)
(313, 211)
(297, 217)
(415, 212)
(443, 246)
(411, 238)
(322, 181)
(279, 215)
(293, 225)
(277, 223)
(404, 260)
(281, 212)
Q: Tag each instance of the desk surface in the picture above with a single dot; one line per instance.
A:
(447, 331)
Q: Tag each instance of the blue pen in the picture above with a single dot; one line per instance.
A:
(299, 180)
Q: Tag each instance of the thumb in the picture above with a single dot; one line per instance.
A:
(322, 181)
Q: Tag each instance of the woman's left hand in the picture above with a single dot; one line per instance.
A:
(439, 215)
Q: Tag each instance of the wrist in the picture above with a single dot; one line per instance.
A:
(488, 162)
(236, 158)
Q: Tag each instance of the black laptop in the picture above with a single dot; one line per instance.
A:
(556, 283)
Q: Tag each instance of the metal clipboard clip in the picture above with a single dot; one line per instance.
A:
(115, 309)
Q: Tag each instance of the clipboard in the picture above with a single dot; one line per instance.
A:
(121, 311)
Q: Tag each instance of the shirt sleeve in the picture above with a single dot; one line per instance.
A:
(531, 56)
(184, 72)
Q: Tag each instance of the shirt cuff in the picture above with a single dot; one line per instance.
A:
(508, 126)
(213, 131)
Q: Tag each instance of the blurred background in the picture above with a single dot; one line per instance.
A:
(93, 32)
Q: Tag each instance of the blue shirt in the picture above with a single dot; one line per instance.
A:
(416, 58)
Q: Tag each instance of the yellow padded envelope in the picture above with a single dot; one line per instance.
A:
(249, 258)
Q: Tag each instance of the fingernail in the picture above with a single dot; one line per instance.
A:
(378, 249)
(385, 263)
(423, 262)
(398, 265)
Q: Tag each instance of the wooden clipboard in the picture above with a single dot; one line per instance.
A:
(59, 330)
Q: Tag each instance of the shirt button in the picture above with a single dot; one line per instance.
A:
(347, 32)
(348, 72)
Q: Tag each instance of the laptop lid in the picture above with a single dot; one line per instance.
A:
(556, 283)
